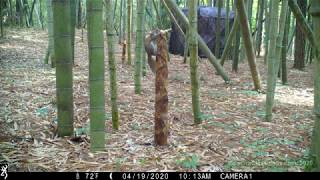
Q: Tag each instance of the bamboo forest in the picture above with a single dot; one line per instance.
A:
(160, 85)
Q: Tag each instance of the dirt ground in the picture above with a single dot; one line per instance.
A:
(232, 137)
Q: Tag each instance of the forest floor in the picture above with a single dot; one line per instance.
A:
(232, 137)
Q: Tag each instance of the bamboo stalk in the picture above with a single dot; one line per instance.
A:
(231, 37)
(193, 47)
(302, 23)
(96, 74)
(63, 59)
(315, 12)
(111, 36)
(139, 46)
(202, 45)
(272, 58)
(247, 39)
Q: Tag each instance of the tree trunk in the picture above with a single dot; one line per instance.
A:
(63, 57)
(315, 12)
(96, 74)
(247, 39)
(193, 48)
(161, 130)
(139, 45)
(129, 2)
(272, 58)
(112, 64)
(202, 45)
(299, 52)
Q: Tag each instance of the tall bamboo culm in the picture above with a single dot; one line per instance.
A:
(193, 48)
(96, 74)
(247, 40)
(63, 59)
(139, 45)
(272, 58)
(129, 3)
(315, 150)
(111, 34)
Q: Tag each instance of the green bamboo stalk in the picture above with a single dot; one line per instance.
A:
(120, 23)
(31, 12)
(73, 25)
(236, 51)
(1, 23)
(315, 12)
(38, 15)
(175, 22)
(227, 18)
(249, 11)
(186, 48)
(267, 30)
(63, 59)
(282, 23)
(129, 2)
(144, 60)
(233, 32)
(247, 39)
(218, 30)
(115, 8)
(260, 27)
(302, 23)
(193, 48)
(124, 22)
(272, 58)
(50, 54)
(202, 45)
(159, 20)
(10, 12)
(284, 50)
(96, 74)
(111, 34)
(139, 45)
(291, 36)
